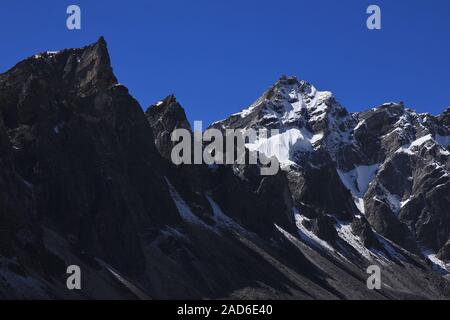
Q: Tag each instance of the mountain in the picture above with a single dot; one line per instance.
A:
(389, 164)
(86, 179)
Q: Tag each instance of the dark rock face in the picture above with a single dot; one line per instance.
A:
(17, 211)
(323, 227)
(249, 198)
(319, 186)
(444, 254)
(165, 117)
(363, 230)
(82, 144)
(86, 179)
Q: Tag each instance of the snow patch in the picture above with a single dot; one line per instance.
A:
(357, 181)
(392, 200)
(184, 210)
(47, 53)
(344, 231)
(308, 236)
(438, 265)
(317, 137)
(409, 149)
(360, 124)
(284, 145)
(405, 202)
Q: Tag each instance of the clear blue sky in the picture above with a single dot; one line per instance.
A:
(218, 56)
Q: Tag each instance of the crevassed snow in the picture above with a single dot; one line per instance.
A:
(358, 181)
(284, 145)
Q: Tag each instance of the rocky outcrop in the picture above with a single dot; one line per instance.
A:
(444, 253)
(164, 117)
(83, 146)
(361, 228)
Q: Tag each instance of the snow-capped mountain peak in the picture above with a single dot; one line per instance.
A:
(288, 102)
(391, 159)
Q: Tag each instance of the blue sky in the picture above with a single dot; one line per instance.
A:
(218, 56)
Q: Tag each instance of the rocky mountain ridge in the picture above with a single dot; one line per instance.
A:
(393, 161)
(86, 179)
